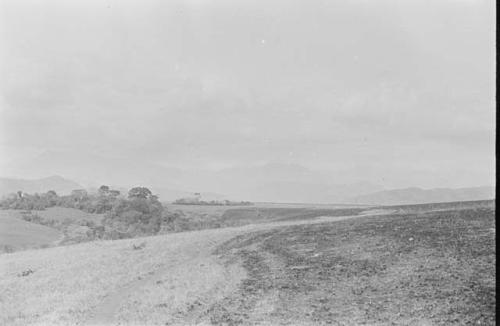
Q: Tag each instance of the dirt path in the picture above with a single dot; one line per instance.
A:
(188, 282)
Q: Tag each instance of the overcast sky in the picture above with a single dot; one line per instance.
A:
(400, 93)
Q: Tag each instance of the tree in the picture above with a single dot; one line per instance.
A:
(79, 194)
(52, 198)
(114, 193)
(140, 214)
(103, 190)
(139, 192)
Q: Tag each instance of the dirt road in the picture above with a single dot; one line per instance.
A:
(190, 280)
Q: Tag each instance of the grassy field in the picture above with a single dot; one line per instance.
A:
(73, 284)
(425, 269)
(22, 230)
(16, 234)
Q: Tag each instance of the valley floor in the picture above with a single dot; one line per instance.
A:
(406, 269)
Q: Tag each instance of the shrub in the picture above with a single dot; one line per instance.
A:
(140, 214)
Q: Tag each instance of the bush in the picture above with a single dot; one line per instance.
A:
(139, 215)
(99, 203)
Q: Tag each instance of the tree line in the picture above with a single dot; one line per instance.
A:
(139, 213)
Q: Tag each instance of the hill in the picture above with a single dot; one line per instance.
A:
(421, 196)
(17, 234)
(56, 183)
(23, 229)
(409, 269)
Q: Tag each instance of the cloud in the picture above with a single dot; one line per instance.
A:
(334, 85)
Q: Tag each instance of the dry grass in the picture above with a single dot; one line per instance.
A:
(69, 283)
(177, 298)
(17, 234)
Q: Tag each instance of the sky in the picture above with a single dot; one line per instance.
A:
(396, 93)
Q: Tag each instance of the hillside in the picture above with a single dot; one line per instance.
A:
(421, 196)
(17, 234)
(424, 269)
(21, 230)
(56, 183)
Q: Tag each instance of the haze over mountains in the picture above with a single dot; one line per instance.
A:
(58, 184)
(267, 184)
(420, 196)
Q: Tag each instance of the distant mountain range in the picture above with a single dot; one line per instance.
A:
(58, 184)
(421, 196)
(268, 183)
(286, 183)
(64, 186)
(271, 182)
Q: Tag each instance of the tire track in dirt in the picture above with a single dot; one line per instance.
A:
(198, 246)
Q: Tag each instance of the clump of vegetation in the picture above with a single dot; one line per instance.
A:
(26, 201)
(140, 214)
(98, 203)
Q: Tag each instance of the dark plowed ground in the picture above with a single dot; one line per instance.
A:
(426, 269)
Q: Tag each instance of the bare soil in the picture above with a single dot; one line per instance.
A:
(426, 269)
